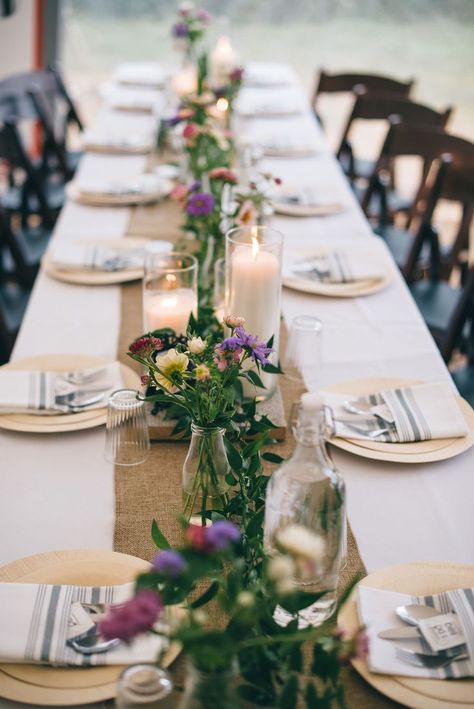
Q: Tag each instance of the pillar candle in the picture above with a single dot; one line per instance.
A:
(170, 308)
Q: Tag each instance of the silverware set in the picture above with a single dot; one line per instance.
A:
(86, 393)
(411, 615)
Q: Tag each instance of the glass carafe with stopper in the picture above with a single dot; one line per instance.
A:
(307, 491)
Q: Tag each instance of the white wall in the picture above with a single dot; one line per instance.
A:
(16, 39)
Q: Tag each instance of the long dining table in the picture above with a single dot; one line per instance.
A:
(57, 490)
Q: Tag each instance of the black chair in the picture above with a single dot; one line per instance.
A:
(464, 380)
(344, 83)
(373, 106)
(56, 111)
(21, 250)
(429, 144)
(13, 303)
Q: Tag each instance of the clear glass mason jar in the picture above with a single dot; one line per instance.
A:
(210, 689)
(204, 471)
(306, 490)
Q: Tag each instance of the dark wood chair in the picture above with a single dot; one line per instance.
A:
(463, 377)
(429, 144)
(373, 106)
(344, 83)
(13, 303)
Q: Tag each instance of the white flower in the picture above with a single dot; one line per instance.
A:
(170, 364)
(245, 599)
(196, 345)
(281, 567)
(234, 321)
(200, 616)
(300, 542)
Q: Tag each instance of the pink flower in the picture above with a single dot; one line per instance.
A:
(203, 15)
(179, 193)
(145, 379)
(133, 617)
(218, 537)
(191, 130)
(247, 214)
(223, 358)
(195, 535)
(223, 173)
(145, 346)
(278, 180)
(234, 321)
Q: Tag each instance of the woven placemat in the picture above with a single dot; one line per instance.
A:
(152, 490)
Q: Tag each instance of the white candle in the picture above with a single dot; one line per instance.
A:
(255, 295)
(170, 308)
(223, 60)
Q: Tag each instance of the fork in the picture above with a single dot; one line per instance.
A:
(431, 662)
(368, 434)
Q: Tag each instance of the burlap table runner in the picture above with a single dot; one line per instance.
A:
(152, 490)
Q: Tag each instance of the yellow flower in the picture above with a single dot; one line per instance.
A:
(202, 372)
(170, 363)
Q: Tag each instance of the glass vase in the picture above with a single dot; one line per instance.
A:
(204, 472)
(210, 689)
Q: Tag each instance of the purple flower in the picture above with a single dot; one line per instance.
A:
(194, 186)
(133, 617)
(169, 563)
(174, 121)
(180, 29)
(230, 343)
(199, 204)
(258, 350)
(221, 534)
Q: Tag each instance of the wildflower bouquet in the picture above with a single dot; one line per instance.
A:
(190, 27)
(252, 203)
(268, 656)
(207, 146)
(231, 88)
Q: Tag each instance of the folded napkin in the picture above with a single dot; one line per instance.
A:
(268, 74)
(144, 184)
(44, 392)
(348, 266)
(68, 256)
(270, 108)
(36, 621)
(142, 100)
(416, 413)
(141, 74)
(118, 141)
(287, 146)
(377, 613)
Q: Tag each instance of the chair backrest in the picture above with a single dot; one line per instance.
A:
(343, 83)
(382, 106)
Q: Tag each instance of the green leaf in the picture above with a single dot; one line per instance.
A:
(296, 659)
(254, 694)
(233, 455)
(272, 368)
(158, 537)
(206, 596)
(255, 524)
(290, 693)
(272, 457)
(254, 378)
(299, 600)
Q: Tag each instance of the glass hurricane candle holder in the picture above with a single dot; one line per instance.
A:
(169, 291)
(253, 290)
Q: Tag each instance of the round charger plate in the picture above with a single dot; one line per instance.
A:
(418, 452)
(339, 290)
(95, 277)
(300, 210)
(106, 199)
(34, 423)
(275, 152)
(91, 146)
(54, 686)
(417, 579)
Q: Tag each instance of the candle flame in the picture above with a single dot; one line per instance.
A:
(170, 279)
(222, 105)
(255, 244)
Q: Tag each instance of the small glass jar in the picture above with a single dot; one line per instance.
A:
(204, 472)
(144, 685)
(210, 689)
(169, 291)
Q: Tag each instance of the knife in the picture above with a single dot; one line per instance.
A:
(399, 634)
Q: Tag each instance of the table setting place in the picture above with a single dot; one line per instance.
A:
(213, 479)
(144, 189)
(345, 271)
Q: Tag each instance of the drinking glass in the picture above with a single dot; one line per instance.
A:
(218, 299)
(126, 437)
(302, 359)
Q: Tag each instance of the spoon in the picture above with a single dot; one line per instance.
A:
(413, 613)
(420, 659)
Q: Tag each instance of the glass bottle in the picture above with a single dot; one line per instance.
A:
(144, 685)
(214, 689)
(307, 490)
(204, 471)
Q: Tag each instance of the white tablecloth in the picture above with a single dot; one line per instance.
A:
(57, 490)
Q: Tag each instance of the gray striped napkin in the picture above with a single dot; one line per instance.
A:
(34, 621)
(30, 392)
(92, 257)
(417, 413)
(377, 613)
(348, 266)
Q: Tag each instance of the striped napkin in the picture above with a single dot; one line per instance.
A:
(40, 393)
(93, 140)
(377, 613)
(142, 74)
(144, 184)
(92, 257)
(35, 622)
(348, 266)
(287, 146)
(416, 413)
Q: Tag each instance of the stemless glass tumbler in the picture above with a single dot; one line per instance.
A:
(301, 361)
(126, 439)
